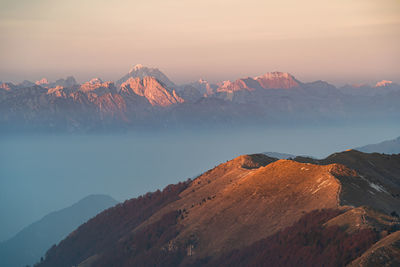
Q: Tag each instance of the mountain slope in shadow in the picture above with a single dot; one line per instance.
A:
(31, 243)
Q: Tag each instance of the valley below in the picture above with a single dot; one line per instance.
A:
(65, 168)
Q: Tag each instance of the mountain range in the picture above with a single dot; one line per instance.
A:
(254, 210)
(31, 243)
(145, 97)
(386, 147)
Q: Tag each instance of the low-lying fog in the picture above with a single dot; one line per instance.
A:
(43, 173)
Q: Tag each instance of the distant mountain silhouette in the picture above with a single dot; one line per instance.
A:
(31, 243)
(386, 147)
(253, 210)
(381, 88)
(279, 155)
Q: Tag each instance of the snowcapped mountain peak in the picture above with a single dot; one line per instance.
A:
(136, 68)
(141, 71)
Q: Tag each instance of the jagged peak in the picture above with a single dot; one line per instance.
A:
(95, 81)
(275, 75)
(225, 83)
(6, 86)
(42, 81)
(136, 68)
(142, 71)
(202, 81)
(383, 83)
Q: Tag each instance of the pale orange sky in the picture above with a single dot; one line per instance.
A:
(338, 41)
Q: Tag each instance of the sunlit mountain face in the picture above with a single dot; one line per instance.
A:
(249, 209)
(145, 97)
(199, 133)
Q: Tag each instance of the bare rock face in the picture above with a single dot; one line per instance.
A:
(152, 89)
(248, 84)
(98, 87)
(383, 83)
(7, 86)
(271, 80)
(43, 81)
(57, 91)
(276, 80)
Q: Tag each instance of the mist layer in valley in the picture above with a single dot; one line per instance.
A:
(43, 173)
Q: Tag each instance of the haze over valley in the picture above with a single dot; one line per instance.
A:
(199, 133)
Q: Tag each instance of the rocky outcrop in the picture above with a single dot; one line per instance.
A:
(271, 80)
(276, 80)
(152, 89)
(383, 83)
(98, 87)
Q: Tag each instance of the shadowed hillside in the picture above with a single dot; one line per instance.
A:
(30, 244)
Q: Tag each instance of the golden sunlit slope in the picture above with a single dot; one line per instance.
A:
(232, 206)
(375, 181)
(237, 205)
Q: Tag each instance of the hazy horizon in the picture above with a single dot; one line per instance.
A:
(79, 78)
(61, 141)
(339, 42)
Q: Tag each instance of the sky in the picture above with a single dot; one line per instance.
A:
(337, 41)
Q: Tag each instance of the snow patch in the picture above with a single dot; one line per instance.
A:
(378, 188)
(374, 186)
(136, 67)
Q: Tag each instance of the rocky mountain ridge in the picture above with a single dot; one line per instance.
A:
(386, 147)
(146, 97)
(251, 209)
